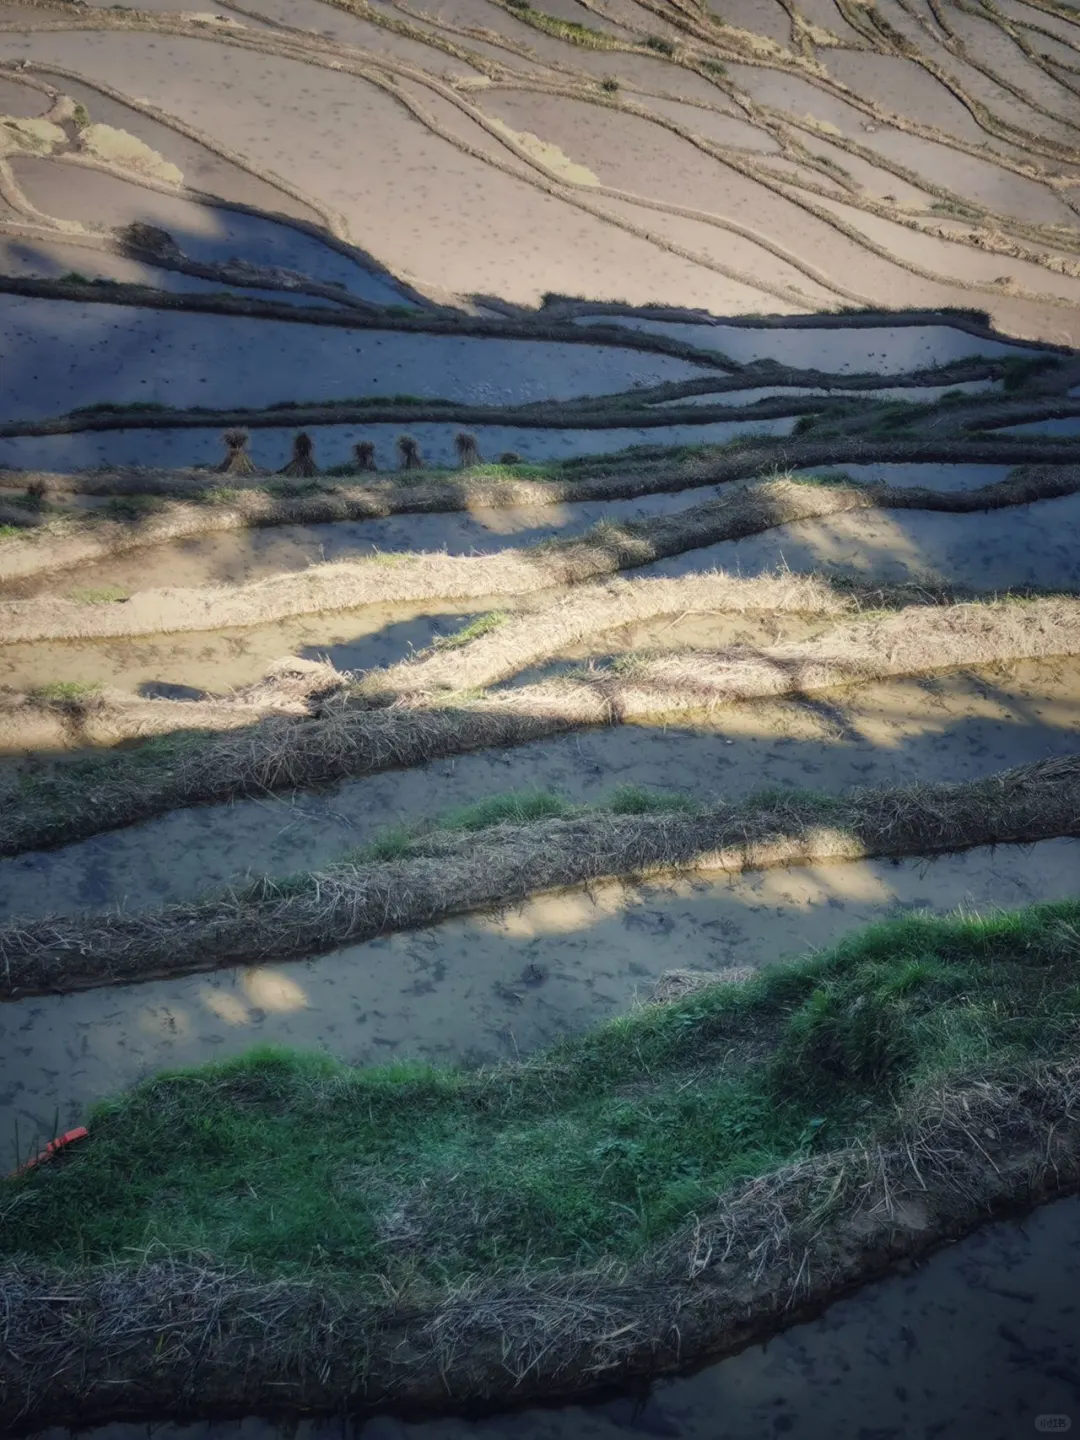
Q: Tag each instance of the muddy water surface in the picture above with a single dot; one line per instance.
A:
(485, 985)
(989, 550)
(218, 661)
(979, 1342)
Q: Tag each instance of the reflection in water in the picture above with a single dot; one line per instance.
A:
(977, 1343)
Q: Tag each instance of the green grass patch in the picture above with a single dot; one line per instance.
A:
(1016, 372)
(636, 800)
(101, 595)
(110, 407)
(216, 495)
(131, 507)
(599, 1148)
(518, 807)
(564, 29)
(66, 692)
(9, 532)
(482, 625)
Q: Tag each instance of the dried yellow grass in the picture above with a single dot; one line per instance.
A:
(64, 543)
(347, 740)
(590, 610)
(605, 550)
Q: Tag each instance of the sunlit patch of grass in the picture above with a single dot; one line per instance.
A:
(101, 595)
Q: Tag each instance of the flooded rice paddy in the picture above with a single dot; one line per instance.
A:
(887, 350)
(995, 549)
(100, 353)
(486, 196)
(955, 726)
(485, 986)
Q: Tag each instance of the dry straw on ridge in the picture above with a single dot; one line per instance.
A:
(468, 452)
(364, 456)
(452, 873)
(409, 453)
(302, 464)
(237, 460)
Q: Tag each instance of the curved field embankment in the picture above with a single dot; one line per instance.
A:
(605, 550)
(220, 503)
(450, 875)
(66, 715)
(86, 1339)
(127, 786)
(528, 637)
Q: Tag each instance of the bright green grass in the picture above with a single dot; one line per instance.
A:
(103, 595)
(596, 1149)
(482, 625)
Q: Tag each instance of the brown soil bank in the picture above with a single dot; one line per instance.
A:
(445, 1237)
(105, 792)
(443, 875)
(605, 550)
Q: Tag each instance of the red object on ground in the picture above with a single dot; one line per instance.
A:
(54, 1146)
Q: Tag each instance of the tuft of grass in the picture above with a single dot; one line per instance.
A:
(9, 532)
(216, 495)
(515, 807)
(567, 30)
(110, 407)
(595, 1151)
(637, 800)
(482, 625)
(132, 507)
(81, 116)
(66, 692)
(103, 595)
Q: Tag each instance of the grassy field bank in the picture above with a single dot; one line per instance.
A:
(283, 1232)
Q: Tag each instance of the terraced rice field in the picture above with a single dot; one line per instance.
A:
(445, 622)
